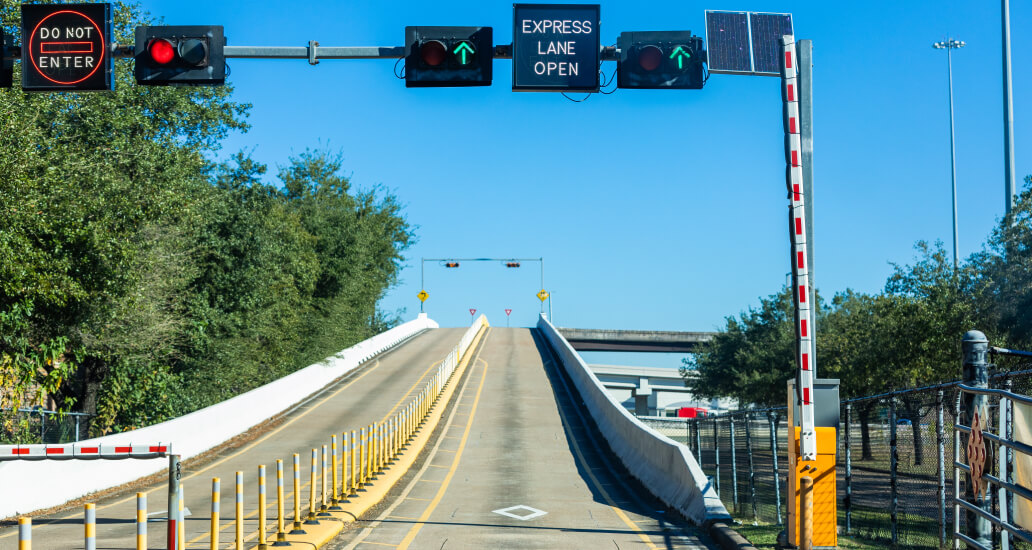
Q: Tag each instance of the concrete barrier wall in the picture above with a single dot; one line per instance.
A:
(26, 486)
(665, 467)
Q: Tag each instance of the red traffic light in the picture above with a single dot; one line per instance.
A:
(650, 58)
(161, 51)
(433, 52)
(512, 264)
(451, 264)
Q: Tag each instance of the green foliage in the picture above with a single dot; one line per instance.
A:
(139, 282)
(908, 335)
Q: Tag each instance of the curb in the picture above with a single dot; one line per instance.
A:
(728, 538)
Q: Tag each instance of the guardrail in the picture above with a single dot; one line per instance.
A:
(39, 486)
(665, 467)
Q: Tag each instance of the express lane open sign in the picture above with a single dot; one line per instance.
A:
(66, 47)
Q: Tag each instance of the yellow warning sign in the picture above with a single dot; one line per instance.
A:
(543, 295)
(422, 295)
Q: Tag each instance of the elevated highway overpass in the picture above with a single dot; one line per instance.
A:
(515, 461)
(661, 341)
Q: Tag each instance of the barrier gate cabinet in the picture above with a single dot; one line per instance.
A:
(822, 470)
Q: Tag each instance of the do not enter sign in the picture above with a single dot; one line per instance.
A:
(65, 47)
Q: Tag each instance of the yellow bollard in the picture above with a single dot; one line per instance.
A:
(806, 515)
(181, 523)
(24, 533)
(90, 524)
(362, 459)
(333, 465)
(311, 494)
(297, 497)
(216, 493)
(239, 511)
(261, 507)
(322, 456)
(353, 486)
(141, 521)
(281, 535)
(344, 489)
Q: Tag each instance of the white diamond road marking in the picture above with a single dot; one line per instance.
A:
(534, 512)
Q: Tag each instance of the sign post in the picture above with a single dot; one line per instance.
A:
(66, 47)
(507, 313)
(555, 48)
(472, 312)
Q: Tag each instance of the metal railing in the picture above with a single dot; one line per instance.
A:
(39, 425)
(893, 472)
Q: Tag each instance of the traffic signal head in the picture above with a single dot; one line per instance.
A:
(451, 264)
(512, 264)
(6, 65)
(190, 55)
(448, 56)
(660, 59)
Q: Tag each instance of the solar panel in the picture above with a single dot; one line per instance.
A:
(739, 42)
(767, 30)
(727, 42)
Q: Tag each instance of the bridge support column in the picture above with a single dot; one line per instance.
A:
(641, 396)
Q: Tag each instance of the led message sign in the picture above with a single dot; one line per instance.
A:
(66, 47)
(555, 47)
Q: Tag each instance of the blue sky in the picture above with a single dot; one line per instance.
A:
(653, 209)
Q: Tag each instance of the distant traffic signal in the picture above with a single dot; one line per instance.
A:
(512, 264)
(451, 264)
(6, 65)
(660, 59)
(187, 55)
(448, 56)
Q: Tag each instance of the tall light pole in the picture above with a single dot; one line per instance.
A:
(1008, 111)
(949, 45)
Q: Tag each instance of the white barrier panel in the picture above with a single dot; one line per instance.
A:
(70, 451)
(26, 486)
(665, 467)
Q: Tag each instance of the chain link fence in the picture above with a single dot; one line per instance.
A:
(895, 461)
(38, 425)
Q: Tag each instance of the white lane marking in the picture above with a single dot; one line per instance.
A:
(534, 512)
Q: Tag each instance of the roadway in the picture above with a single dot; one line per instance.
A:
(367, 395)
(517, 464)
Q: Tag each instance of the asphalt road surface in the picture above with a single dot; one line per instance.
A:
(518, 464)
(368, 394)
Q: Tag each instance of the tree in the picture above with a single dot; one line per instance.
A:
(751, 358)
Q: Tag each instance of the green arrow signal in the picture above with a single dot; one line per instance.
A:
(463, 49)
(680, 53)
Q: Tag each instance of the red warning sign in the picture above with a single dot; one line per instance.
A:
(508, 311)
(472, 311)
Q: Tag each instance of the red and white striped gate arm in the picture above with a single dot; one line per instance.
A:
(804, 332)
(78, 451)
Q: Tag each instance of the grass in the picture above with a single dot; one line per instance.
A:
(766, 536)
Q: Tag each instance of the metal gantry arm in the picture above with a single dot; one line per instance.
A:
(422, 271)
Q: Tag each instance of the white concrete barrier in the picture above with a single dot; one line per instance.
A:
(665, 467)
(33, 485)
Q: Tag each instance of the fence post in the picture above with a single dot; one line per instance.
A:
(698, 439)
(956, 471)
(847, 502)
(1003, 465)
(752, 471)
(774, 456)
(940, 440)
(734, 464)
(716, 457)
(893, 467)
(76, 428)
(976, 374)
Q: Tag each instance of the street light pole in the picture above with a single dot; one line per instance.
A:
(949, 45)
(1008, 111)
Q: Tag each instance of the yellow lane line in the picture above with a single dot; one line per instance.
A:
(594, 480)
(451, 471)
(406, 395)
(404, 496)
